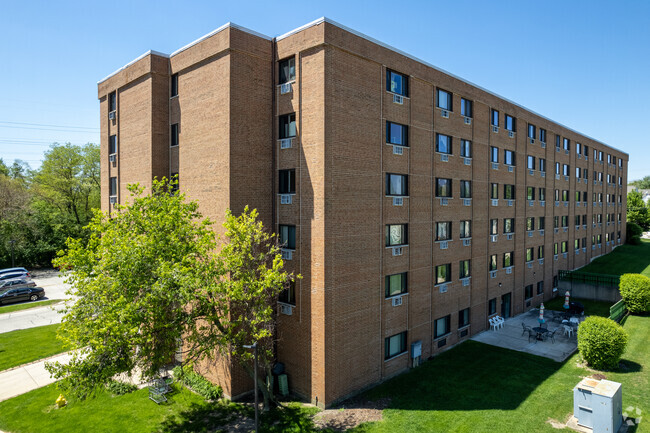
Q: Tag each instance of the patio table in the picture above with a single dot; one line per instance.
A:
(540, 332)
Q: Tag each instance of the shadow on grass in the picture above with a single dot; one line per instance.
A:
(472, 376)
(627, 366)
(203, 418)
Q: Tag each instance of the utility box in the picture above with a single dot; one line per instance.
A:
(416, 353)
(598, 405)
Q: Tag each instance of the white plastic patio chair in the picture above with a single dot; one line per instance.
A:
(500, 321)
(568, 331)
(493, 324)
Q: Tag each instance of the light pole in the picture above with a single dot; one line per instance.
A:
(254, 347)
(12, 242)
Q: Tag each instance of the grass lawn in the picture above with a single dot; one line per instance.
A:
(592, 308)
(480, 388)
(26, 345)
(27, 305)
(624, 259)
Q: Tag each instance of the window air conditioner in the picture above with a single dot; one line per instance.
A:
(495, 166)
(511, 169)
(397, 251)
(465, 282)
(540, 261)
(468, 121)
(444, 202)
(509, 270)
(444, 157)
(398, 201)
(543, 145)
(398, 99)
(467, 202)
(287, 254)
(509, 236)
(286, 143)
(286, 309)
(511, 134)
(111, 158)
(495, 128)
(285, 199)
(444, 113)
(531, 141)
(113, 199)
(530, 265)
(493, 238)
(397, 301)
(510, 202)
(495, 202)
(443, 288)
(467, 242)
(493, 274)
(285, 88)
(398, 150)
(112, 115)
(444, 245)
(468, 161)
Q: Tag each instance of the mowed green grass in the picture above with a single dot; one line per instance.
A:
(480, 388)
(27, 345)
(27, 305)
(625, 259)
(592, 308)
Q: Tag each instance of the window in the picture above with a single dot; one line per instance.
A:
(509, 225)
(530, 224)
(531, 131)
(464, 269)
(174, 85)
(585, 173)
(542, 165)
(396, 134)
(540, 287)
(396, 235)
(395, 345)
(287, 181)
(595, 155)
(530, 254)
(620, 162)
(288, 126)
(586, 150)
(465, 229)
(609, 158)
(599, 239)
(443, 231)
(528, 291)
(466, 108)
(576, 220)
(494, 226)
(175, 186)
(564, 246)
(557, 195)
(600, 155)
(542, 194)
(508, 259)
(288, 295)
(557, 141)
(443, 143)
(578, 148)
(287, 70)
(395, 284)
(556, 221)
(508, 157)
(509, 192)
(542, 135)
(565, 169)
(584, 196)
(465, 189)
(576, 244)
(444, 100)
(577, 195)
(567, 144)
(557, 168)
(495, 118)
(565, 195)
(112, 102)
(443, 187)
(494, 190)
(112, 144)
(492, 264)
(510, 123)
(174, 135)
(441, 326)
(112, 187)
(540, 252)
(565, 220)
(288, 237)
(494, 154)
(463, 318)
(443, 273)
(530, 164)
(555, 248)
(530, 193)
(465, 148)
(396, 83)
(492, 306)
(578, 172)
(397, 184)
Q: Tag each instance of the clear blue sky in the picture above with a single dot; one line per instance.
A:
(585, 64)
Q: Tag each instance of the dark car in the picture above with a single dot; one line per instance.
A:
(21, 294)
(14, 275)
(13, 270)
(16, 283)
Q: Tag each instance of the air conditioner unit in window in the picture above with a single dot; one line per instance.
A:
(444, 113)
(541, 232)
(468, 121)
(510, 202)
(495, 202)
(467, 202)
(511, 134)
(565, 229)
(112, 199)
(493, 274)
(112, 158)
(397, 301)
(530, 234)
(555, 257)
(287, 254)
(286, 309)
(495, 128)
(286, 143)
(468, 161)
(495, 166)
(398, 150)
(509, 270)
(444, 245)
(542, 203)
(540, 261)
(543, 145)
(285, 88)
(566, 178)
(467, 242)
(493, 238)
(511, 169)
(112, 115)
(531, 172)
(398, 201)
(444, 202)
(531, 203)
(564, 255)
(285, 199)
(397, 251)
(557, 148)
(542, 174)
(530, 265)
(443, 288)
(465, 282)
(566, 152)
(531, 141)
(509, 236)
(444, 157)
(398, 99)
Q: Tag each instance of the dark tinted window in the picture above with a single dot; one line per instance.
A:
(287, 70)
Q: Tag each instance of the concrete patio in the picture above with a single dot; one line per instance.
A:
(509, 337)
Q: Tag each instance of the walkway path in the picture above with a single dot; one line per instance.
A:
(23, 379)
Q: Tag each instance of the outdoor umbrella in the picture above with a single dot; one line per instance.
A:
(566, 300)
(541, 314)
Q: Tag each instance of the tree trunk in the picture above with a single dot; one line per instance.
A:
(263, 385)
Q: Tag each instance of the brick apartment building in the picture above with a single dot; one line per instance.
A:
(414, 204)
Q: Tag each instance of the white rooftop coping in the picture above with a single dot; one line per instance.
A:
(368, 38)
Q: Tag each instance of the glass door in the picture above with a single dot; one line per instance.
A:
(505, 306)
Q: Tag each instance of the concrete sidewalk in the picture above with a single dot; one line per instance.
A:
(23, 379)
(30, 318)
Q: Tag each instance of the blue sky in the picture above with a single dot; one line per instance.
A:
(584, 64)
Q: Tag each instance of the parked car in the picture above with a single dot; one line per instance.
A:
(16, 283)
(13, 270)
(14, 275)
(22, 294)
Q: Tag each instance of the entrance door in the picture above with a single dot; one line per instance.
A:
(505, 306)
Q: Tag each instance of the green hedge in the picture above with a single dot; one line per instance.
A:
(116, 387)
(635, 291)
(197, 383)
(633, 233)
(601, 342)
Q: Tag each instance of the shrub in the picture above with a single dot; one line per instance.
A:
(633, 233)
(197, 383)
(601, 342)
(635, 291)
(116, 387)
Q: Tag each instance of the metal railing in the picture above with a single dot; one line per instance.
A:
(589, 278)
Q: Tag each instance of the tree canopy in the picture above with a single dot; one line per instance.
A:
(637, 211)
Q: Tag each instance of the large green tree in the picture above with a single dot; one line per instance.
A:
(642, 183)
(637, 211)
